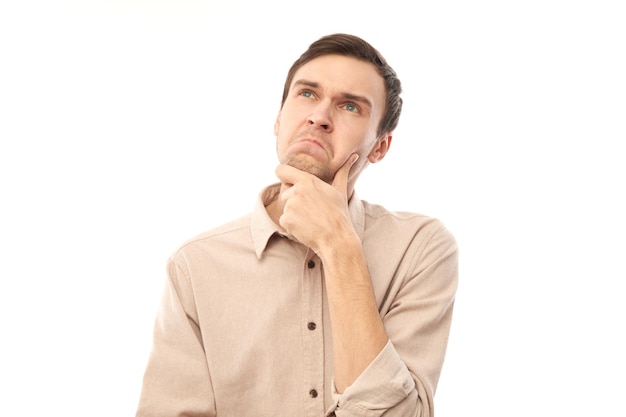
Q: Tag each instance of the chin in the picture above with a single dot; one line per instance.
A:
(313, 167)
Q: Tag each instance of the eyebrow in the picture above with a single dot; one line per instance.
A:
(349, 96)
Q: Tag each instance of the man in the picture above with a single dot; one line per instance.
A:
(317, 303)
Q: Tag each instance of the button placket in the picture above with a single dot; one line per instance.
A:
(313, 336)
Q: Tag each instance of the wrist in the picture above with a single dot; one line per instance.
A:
(340, 245)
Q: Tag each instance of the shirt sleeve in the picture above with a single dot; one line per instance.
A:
(176, 380)
(401, 380)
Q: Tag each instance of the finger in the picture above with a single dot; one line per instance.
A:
(289, 175)
(341, 177)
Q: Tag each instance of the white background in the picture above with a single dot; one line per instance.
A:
(127, 127)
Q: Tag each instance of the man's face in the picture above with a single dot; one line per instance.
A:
(333, 109)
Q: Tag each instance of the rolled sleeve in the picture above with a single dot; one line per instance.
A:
(401, 381)
(384, 383)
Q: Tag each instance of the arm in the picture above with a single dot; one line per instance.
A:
(402, 379)
(176, 380)
(357, 329)
(387, 364)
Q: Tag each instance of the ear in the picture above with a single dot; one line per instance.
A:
(380, 148)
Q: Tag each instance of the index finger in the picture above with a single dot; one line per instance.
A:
(289, 175)
(341, 177)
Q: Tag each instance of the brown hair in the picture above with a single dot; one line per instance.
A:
(353, 46)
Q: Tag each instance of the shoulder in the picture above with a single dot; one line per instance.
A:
(375, 213)
(406, 228)
(233, 231)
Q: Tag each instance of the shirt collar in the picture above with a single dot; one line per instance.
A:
(262, 228)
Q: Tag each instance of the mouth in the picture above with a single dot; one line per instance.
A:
(310, 144)
(311, 138)
(313, 141)
(309, 147)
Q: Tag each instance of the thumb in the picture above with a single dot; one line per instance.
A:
(341, 176)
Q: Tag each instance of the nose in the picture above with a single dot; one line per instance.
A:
(320, 117)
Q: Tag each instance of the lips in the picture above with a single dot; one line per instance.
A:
(313, 141)
(308, 137)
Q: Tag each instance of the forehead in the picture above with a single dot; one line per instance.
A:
(344, 74)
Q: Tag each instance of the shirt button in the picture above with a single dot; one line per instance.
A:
(313, 393)
(312, 326)
(311, 264)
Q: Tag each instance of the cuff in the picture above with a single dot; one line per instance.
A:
(382, 385)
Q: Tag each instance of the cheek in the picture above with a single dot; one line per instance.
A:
(366, 147)
(284, 126)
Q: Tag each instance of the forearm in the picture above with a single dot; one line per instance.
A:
(416, 310)
(357, 329)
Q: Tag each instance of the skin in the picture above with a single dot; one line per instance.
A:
(326, 135)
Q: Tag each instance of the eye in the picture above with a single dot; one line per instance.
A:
(307, 93)
(351, 107)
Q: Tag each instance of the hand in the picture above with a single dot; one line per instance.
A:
(315, 211)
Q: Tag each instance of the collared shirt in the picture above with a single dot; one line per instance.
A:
(243, 327)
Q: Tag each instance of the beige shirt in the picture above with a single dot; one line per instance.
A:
(243, 328)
